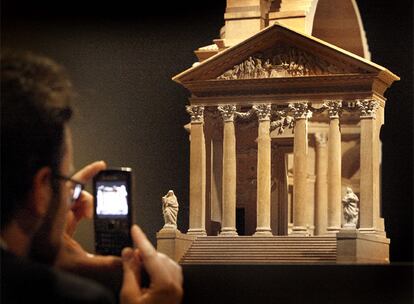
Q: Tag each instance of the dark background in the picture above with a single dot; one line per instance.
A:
(121, 58)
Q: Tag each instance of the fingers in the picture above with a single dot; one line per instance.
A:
(83, 207)
(141, 241)
(176, 273)
(86, 173)
(150, 257)
(87, 205)
(165, 274)
(130, 291)
(70, 223)
(105, 269)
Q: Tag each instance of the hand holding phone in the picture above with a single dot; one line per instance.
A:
(113, 210)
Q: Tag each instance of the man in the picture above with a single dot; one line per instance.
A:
(40, 209)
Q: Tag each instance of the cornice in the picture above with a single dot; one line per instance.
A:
(248, 100)
(279, 89)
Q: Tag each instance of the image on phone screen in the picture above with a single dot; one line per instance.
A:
(112, 199)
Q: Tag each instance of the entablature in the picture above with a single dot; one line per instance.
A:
(315, 98)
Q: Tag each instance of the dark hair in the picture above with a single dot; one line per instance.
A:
(35, 106)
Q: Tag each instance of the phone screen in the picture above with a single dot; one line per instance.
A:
(111, 199)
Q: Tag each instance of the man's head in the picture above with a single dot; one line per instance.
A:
(35, 148)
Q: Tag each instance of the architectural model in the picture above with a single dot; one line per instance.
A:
(285, 111)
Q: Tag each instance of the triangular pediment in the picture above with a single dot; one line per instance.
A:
(279, 52)
(285, 60)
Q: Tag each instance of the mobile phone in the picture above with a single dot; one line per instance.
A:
(113, 210)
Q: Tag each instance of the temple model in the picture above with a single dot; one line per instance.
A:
(284, 123)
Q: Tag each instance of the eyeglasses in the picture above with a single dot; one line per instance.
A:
(76, 189)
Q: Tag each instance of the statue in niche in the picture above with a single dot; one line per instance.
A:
(351, 209)
(170, 210)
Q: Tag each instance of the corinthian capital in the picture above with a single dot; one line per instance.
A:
(300, 110)
(263, 111)
(334, 108)
(367, 107)
(196, 113)
(227, 112)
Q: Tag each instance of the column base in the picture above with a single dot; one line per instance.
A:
(311, 230)
(290, 228)
(197, 231)
(300, 231)
(228, 231)
(263, 231)
(333, 230)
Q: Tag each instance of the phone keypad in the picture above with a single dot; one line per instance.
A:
(111, 237)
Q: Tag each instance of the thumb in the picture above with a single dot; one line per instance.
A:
(130, 290)
(86, 173)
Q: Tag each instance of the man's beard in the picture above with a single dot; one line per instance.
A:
(43, 249)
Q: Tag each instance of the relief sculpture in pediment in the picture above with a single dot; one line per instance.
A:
(281, 62)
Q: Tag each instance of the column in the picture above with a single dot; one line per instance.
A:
(217, 180)
(263, 170)
(197, 172)
(301, 114)
(369, 167)
(380, 121)
(334, 167)
(321, 184)
(228, 224)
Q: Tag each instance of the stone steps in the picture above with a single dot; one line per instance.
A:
(261, 250)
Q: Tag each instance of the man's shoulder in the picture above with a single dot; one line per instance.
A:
(23, 280)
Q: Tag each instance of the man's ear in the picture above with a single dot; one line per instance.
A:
(41, 193)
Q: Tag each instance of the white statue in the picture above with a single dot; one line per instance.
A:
(351, 210)
(170, 209)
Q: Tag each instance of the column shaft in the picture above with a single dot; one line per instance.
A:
(380, 226)
(229, 180)
(300, 146)
(369, 168)
(217, 181)
(263, 178)
(197, 173)
(321, 187)
(334, 176)
(228, 224)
